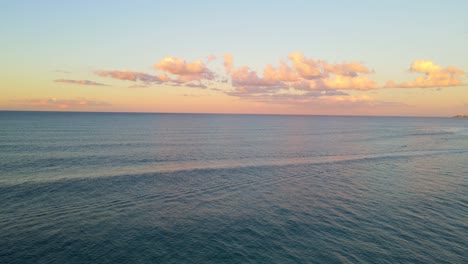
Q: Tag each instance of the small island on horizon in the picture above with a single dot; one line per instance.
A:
(461, 116)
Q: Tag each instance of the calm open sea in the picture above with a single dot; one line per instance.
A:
(190, 188)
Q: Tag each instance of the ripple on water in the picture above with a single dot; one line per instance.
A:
(303, 213)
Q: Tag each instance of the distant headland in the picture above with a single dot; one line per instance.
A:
(461, 116)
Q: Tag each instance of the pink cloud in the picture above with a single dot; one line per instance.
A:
(357, 101)
(346, 69)
(320, 100)
(299, 80)
(344, 82)
(186, 71)
(434, 76)
(295, 73)
(82, 82)
(210, 58)
(228, 60)
(134, 76)
(306, 68)
(282, 73)
(286, 97)
(60, 103)
(306, 74)
(196, 85)
(245, 77)
(295, 80)
(163, 77)
(338, 82)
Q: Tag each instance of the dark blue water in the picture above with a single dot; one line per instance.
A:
(176, 188)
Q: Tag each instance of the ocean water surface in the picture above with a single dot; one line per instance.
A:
(194, 188)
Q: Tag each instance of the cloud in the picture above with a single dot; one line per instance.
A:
(294, 73)
(353, 99)
(282, 73)
(304, 75)
(295, 79)
(210, 58)
(346, 82)
(434, 76)
(338, 82)
(228, 59)
(311, 69)
(82, 82)
(60, 103)
(321, 100)
(248, 91)
(346, 69)
(244, 76)
(186, 78)
(144, 85)
(186, 71)
(320, 75)
(196, 85)
(289, 97)
(347, 100)
(247, 83)
(363, 100)
(134, 76)
(310, 83)
(306, 68)
(193, 95)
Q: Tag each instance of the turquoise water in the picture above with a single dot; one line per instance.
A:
(188, 188)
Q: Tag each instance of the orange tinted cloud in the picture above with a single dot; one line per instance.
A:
(305, 74)
(320, 75)
(352, 98)
(282, 73)
(186, 71)
(228, 60)
(320, 100)
(211, 58)
(337, 82)
(344, 82)
(294, 79)
(434, 76)
(306, 68)
(285, 98)
(60, 103)
(346, 69)
(296, 73)
(163, 77)
(82, 82)
(245, 77)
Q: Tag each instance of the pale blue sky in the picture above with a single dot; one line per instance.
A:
(40, 37)
(137, 33)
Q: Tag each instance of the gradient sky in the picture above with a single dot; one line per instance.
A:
(405, 58)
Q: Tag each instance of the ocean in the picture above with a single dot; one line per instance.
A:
(203, 188)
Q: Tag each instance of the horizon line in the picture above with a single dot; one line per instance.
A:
(205, 113)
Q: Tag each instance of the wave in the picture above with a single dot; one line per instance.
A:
(441, 131)
(139, 167)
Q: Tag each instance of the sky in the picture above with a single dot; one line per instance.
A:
(390, 58)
